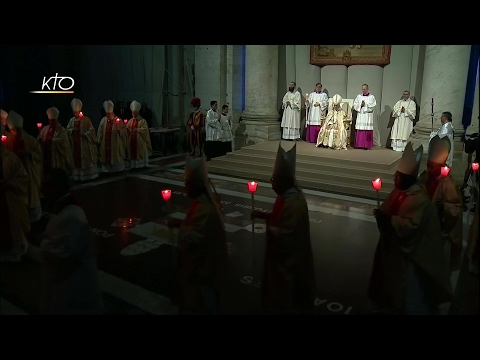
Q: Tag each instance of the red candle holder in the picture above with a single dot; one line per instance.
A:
(252, 186)
(125, 121)
(166, 194)
(117, 120)
(80, 114)
(377, 184)
(445, 170)
(39, 125)
(475, 166)
(4, 138)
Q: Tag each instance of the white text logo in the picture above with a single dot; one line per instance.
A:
(56, 85)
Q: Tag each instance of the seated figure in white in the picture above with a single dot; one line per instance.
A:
(333, 134)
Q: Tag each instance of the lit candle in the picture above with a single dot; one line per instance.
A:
(445, 171)
(377, 185)
(4, 138)
(475, 166)
(39, 125)
(80, 114)
(117, 120)
(125, 121)
(252, 187)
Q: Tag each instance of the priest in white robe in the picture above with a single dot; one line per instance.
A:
(364, 104)
(404, 112)
(446, 130)
(291, 105)
(316, 105)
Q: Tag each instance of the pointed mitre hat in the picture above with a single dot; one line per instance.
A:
(285, 162)
(438, 149)
(76, 105)
(410, 161)
(14, 120)
(3, 116)
(53, 113)
(135, 106)
(337, 99)
(108, 106)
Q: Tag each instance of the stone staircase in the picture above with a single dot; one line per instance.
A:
(342, 172)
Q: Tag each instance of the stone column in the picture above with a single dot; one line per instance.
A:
(261, 115)
(444, 79)
(334, 80)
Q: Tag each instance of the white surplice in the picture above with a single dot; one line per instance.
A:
(365, 119)
(291, 115)
(316, 113)
(403, 125)
(446, 130)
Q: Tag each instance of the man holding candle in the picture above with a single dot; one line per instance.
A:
(203, 255)
(28, 150)
(410, 273)
(447, 198)
(316, 105)
(139, 144)
(288, 284)
(83, 142)
(112, 137)
(364, 104)
(14, 219)
(404, 112)
(291, 105)
(446, 130)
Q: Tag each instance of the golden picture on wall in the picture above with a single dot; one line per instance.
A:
(322, 55)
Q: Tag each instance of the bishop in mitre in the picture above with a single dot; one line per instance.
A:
(55, 145)
(288, 284)
(139, 145)
(404, 112)
(14, 219)
(333, 133)
(203, 254)
(316, 105)
(83, 142)
(28, 150)
(447, 198)
(410, 274)
(112, 137)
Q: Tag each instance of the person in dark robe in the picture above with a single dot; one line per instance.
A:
(147, 114)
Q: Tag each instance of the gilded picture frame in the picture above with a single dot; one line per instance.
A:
(322, 55)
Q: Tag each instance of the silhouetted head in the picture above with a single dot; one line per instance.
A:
(280, 184)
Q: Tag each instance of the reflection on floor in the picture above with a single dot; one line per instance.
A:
(135, 265)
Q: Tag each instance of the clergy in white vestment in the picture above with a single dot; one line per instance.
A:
(333, 134)
(112, 137)
(291, 105)
(83, 140)
(139, 144)
(404, 112)
(316, 105)
(364, 104)
(446, 130)
(213, 132)
(227, 135)
(70, 284)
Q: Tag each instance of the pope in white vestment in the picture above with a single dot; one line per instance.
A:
(364, 104)
(446, 130)
(333, 133)
(316, 105)
(291, 106)
(404, 113)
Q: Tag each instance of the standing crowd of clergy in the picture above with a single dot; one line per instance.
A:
(78, 148)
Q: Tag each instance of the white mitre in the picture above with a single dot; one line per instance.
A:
(337, 99)
(76, 105)
(285, 162)
(14, 120)
(438, 149)
(135, 106)
(3, 116)
(108, 106)
(53, 113)
(410, 161)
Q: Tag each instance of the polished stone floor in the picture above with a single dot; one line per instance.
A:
(135, 263)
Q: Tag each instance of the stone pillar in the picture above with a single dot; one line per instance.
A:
(334, 80)
(444, 79)
(261, 115)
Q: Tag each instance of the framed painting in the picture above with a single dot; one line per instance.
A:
(322, 55)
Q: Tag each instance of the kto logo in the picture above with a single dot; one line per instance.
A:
(64, 83)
